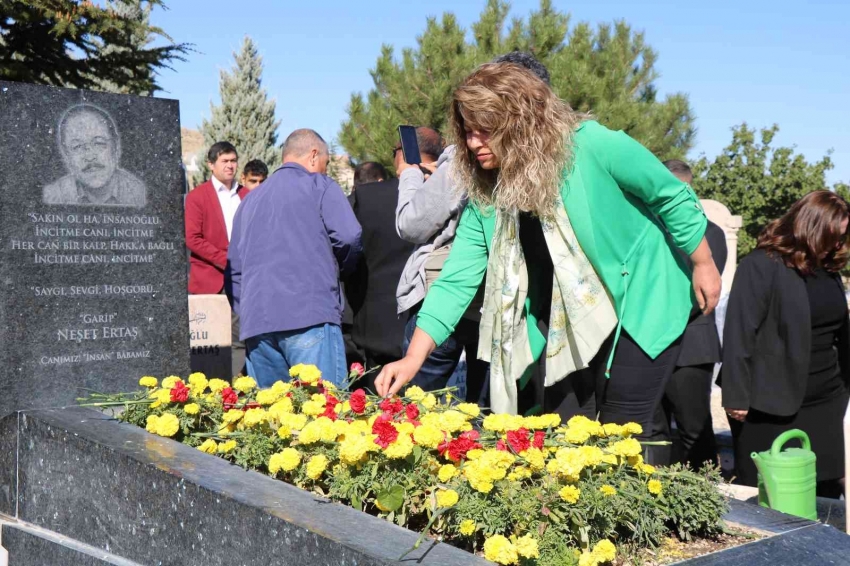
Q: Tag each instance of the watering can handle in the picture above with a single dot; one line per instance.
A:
(780, 441)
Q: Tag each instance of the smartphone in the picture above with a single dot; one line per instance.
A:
(409, 145)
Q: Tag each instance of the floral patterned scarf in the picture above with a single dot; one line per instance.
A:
(582, 313)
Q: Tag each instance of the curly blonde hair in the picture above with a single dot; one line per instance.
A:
(530, 131)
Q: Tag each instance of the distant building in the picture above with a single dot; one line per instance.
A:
(192, 142)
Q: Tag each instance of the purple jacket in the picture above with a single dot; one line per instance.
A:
(292, 237)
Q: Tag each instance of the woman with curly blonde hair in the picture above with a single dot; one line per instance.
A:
(574, 226)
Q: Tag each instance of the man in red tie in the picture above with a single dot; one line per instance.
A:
(210, 209)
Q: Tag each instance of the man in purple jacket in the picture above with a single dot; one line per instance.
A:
(292, 238)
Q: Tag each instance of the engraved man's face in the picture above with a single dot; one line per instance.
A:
(90, 149)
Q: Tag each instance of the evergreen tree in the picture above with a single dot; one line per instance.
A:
(609, 71)
(758, 181)
(245, 117)
(79, 44)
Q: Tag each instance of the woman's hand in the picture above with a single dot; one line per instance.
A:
(706, 278)
(737, 414)
(396, 375)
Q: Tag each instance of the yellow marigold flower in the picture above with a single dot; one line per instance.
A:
(360, 426)
(429, 402)
(630, 429)
(313, 408)
(167, 425)
(576, 435)
(346, 407)
(610, 459)
(569, 493)
(447, 498)
(170, 381)
(284, 432)
(161, 395)
(309, 374)
(286, 460)
(340, 428)
(244, 384)
(612, 429)
(474, 454)
(428, 436)
(646, 468)
(542, 422)
(150, 423)
(400, 448)
(499, 549)
(192, 408)
(535, 458)
(232, 416)
(635, 461)
(592, 455)
(292, 420)
(295, 370)
(329, 386)
(148, 381)
(519, 473)
(604, 551)
(526, 546)
(587, 559)
(502, 422)
(404, 428)
(467, 527)
(354, 448)
(317, 466)
(227, 447)
(316, 431)
(281, 387)
(447, 472)
(267, 396)
(469, 409)
(608, 490)
(414, 393)
(217, 385)
(254, 417)
(280, 408)
(627, 448)
(654, 487)
(198, 383)
(226, 429)
(209, 446)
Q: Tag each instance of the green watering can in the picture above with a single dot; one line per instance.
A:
(788, 478)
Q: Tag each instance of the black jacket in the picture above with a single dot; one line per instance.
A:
(701, 343)
(371, 290)
(767, 338)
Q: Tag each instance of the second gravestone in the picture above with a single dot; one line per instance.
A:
(93, 268)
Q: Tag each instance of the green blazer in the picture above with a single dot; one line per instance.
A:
(628, 211)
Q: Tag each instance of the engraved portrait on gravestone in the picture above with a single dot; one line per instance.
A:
(90, 146)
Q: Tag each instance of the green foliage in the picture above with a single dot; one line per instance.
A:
(80, 44)
(758, 181)
(608, 70)
(245, 117)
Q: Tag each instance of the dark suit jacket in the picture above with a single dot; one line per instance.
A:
(206, 238)
(371, 290)
(767, 338)
(701, 343)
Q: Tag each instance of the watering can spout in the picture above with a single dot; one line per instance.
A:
(768, 482)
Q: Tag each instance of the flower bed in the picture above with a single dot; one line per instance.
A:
(519, 490)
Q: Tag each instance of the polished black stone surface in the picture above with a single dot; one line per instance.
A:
(28, 547)
(9, 465)
(154, 501)
(813, 545)
(764, 519)
(92, 292)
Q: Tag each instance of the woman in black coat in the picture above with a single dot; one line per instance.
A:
(786, 355)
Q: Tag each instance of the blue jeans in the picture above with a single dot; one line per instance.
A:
(439, 370)
(272, 354)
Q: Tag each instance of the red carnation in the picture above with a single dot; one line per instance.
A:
(456, 449)
(518, 439)
(412, 411)
(539, 436)
(356, 370)
(358, 401)
(393, 406)
(386, 432)
(330, 406)
(471, 435)
(500, 445)
(229, 396)
(179, 393)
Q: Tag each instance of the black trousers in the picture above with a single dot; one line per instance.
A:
(687, 398)
(633, 393)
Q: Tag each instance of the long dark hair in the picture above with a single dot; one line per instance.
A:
(809, 235)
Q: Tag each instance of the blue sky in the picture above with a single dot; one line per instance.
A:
(763, 62)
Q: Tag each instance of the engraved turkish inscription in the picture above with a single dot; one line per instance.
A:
(93, 268)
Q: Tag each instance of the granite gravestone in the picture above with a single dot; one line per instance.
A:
(93, 269)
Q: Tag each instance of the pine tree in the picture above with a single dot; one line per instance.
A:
(609, 71)
(79, 44)
(245, 117)
(757, 181)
